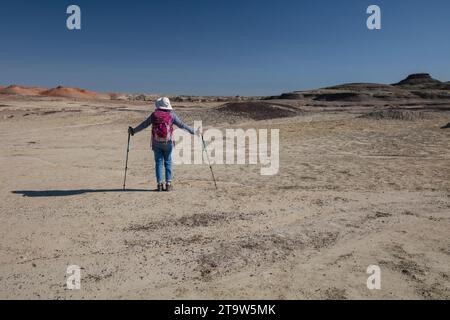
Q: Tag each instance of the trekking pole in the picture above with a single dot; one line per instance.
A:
(209, 162)
(126, 162)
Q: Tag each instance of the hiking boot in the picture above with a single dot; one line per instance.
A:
(160, 187)
(169, 186)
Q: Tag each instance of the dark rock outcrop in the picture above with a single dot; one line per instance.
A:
(420, 80)
(419, 86)
(342, 96)
(255, 110)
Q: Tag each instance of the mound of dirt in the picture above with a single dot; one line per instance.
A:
(68, 92)
(256, 110)
(391, 114)
(24, 91)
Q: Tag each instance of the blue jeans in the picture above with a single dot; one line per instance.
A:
(163, 153)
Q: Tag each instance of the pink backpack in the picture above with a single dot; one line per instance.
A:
(162, 126)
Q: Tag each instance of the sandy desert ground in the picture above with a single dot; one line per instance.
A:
(351, 192)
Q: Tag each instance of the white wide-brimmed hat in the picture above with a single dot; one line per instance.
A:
(163, 104)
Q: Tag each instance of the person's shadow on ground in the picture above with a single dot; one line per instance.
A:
(65, 193)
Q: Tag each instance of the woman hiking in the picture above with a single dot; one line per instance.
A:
(162, 120)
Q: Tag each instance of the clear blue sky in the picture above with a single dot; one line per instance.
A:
(220, 47)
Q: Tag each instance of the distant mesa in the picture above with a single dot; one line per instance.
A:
(68, 92)
(415, 86)
(417, 79)
(60, 91)
(20, 90)
(422, 81)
